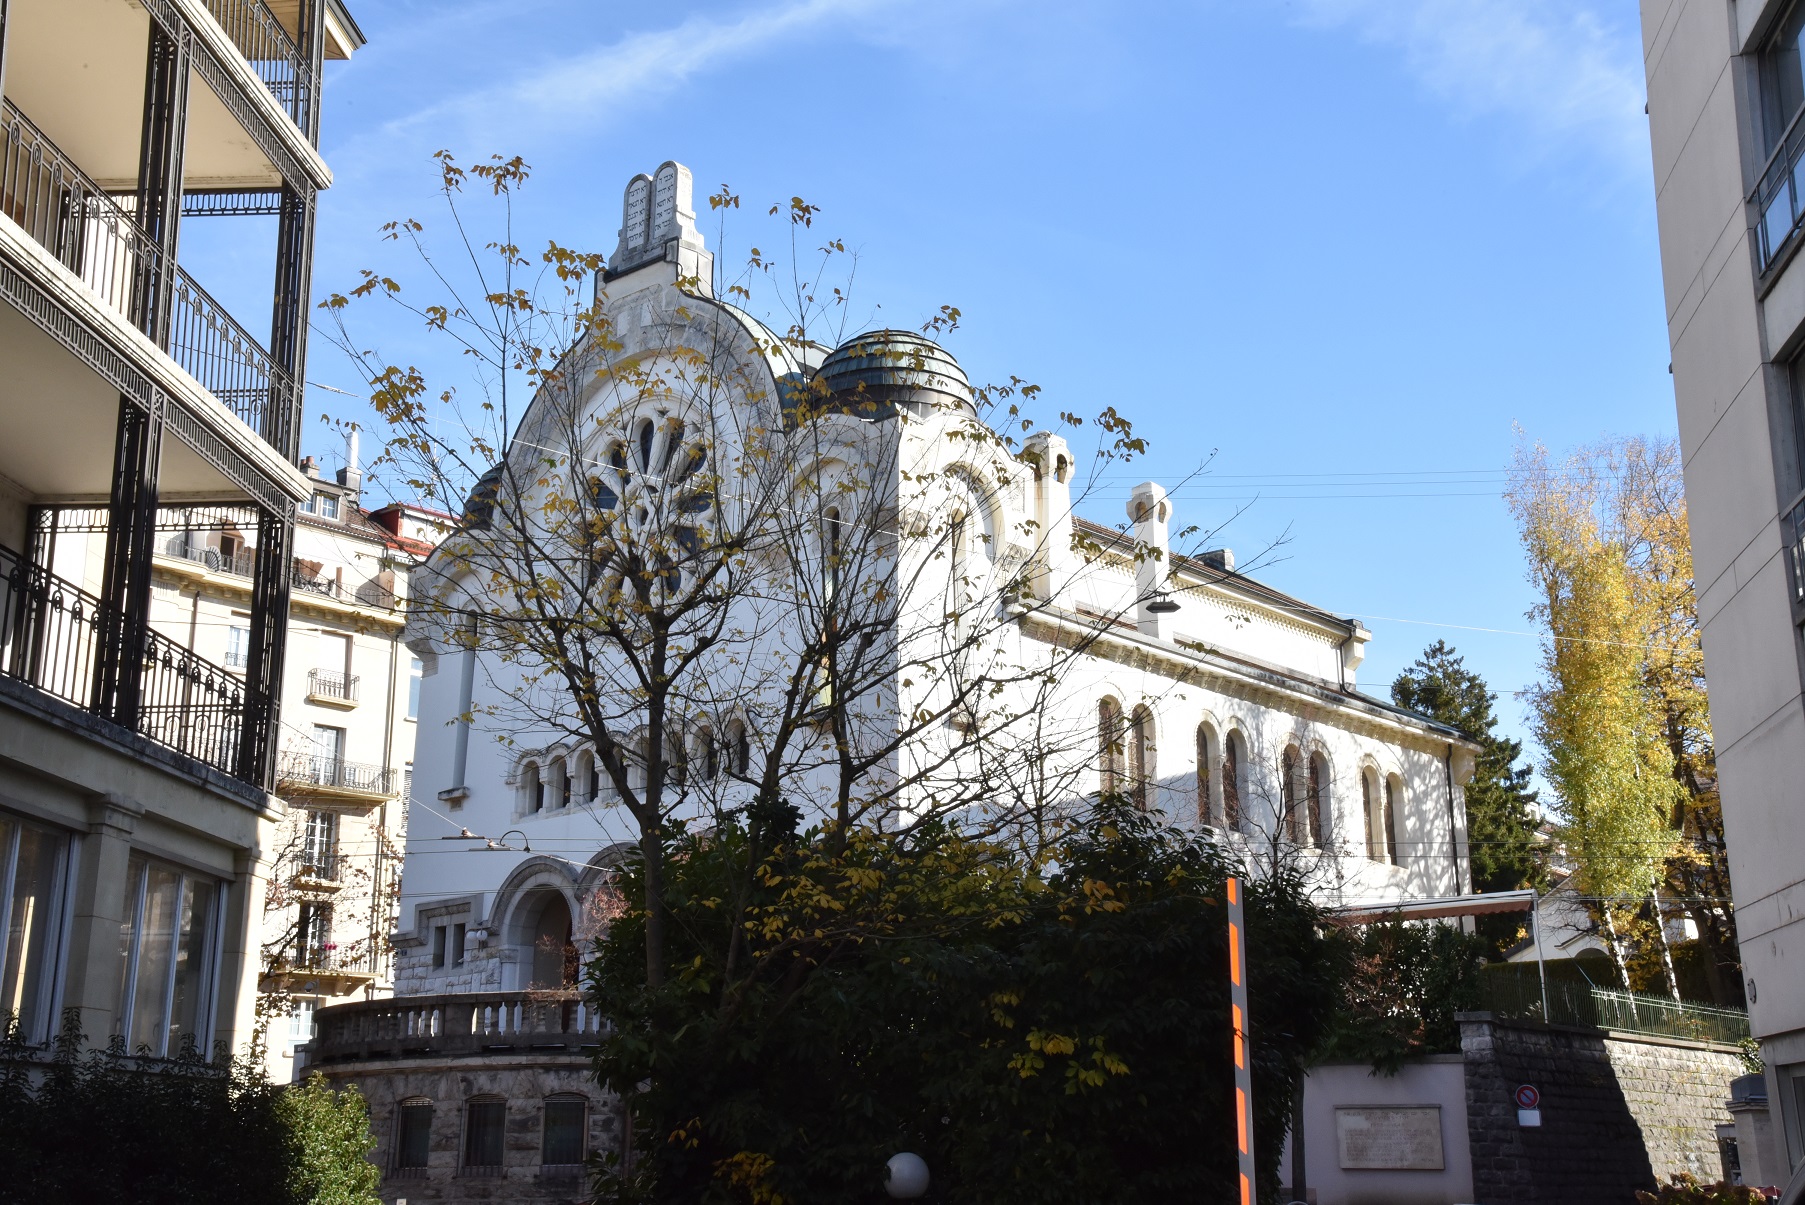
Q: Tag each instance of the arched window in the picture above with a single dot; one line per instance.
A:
(585, 775)
(1369, 808)
(1209, 809)
(1234, 756)
(676, 761)
(532, 788)
(554, 953)
(563, 768)
(1109, 747)
(413, 1136)
(707, 754)
(1141, 769)
(1290, 793)
(1393, 789)
(564, 1137)
(485, 1125)
(739, 747)
(833, 552)
(1316, 799)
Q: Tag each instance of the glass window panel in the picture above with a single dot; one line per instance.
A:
(483, 1133)
(1782, 80)
(187, 1013)
(414, 1141)
(564, 1125)
(134, 878)
(31, 926)
(156, 935)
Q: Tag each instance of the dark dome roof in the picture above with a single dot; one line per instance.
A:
(882, 371)
(479, 507)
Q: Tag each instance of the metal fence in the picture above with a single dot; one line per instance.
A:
(331, 684)
(1569, 1003)
(316, 770)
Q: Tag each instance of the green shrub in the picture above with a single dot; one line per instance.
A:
(1686, 1190)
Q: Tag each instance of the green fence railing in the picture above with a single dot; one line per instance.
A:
(1519, 997)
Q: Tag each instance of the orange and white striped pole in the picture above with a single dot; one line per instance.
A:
(1237, 979)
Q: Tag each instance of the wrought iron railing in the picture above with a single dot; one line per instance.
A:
(332, 684)
(50, 634)
(326, 959)
(243, 562)
(369, 593)
(275, 58)
(1779, 198)
(89, 233)
(315, 770)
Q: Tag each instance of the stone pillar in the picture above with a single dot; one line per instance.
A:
(241, 957)
(1149, 510)
(1054, 562)
(104, 900)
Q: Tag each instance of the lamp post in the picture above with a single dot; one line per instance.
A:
(906, 1176)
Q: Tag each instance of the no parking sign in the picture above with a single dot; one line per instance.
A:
(1529, 1105)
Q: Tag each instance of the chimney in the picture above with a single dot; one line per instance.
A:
(1220, 559)
(1151, 511)
(351, 476)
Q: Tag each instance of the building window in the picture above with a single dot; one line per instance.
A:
(238, 645)
(314, 947)
(1207, 811)
(166, 959)
(447, 946)
(584, 773)
(1316, 799)
(1233, 756)
(413, 1135)
(1140, 758)
(566, 1129)
(300, 1021)
(328, 754)
(319, 846)
(438, 947)
(532, 788)
(739, 747)
(33, 869)
(1109, 747)
(414, 672)
(1369, 808)
(1782, 79)
(485, 1123)
(1391, 820)
(564, 789)
(325, 506)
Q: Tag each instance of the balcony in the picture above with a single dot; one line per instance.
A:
(325, 970)
(331, 784)
(270, 50)
(85, 229)
(370, 593)
(51, 635)
(463, 1025)
(332, 689)
(304, 577)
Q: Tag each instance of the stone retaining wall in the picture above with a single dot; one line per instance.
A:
(1618, 1111)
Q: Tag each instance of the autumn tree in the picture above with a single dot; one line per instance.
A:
(1501, 817)
(1621, 710)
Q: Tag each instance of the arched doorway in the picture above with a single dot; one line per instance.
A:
(554, 954)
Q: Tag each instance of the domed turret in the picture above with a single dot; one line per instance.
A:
(880, 372)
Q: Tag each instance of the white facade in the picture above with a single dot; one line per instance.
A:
(1238, 677)
(1724, 100)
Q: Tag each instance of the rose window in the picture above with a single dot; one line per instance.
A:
(653, 502)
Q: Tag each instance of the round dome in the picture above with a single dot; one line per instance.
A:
(479, 507)
(880, 372)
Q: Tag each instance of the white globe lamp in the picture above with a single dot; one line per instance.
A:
(908, 1176)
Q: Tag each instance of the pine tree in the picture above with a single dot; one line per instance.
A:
(1501, 817)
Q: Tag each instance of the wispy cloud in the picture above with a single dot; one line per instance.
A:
(1574, 76)
(581, 87)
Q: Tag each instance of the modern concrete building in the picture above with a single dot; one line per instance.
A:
(1725, 92)
(1200, 693)
(137, 767)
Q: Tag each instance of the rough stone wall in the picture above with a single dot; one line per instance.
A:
(1616, 1111)
(448, 1084)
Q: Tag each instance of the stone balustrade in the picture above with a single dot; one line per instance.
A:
(454, 1025)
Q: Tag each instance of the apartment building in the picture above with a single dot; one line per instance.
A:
(1726, 107)
(139, 757)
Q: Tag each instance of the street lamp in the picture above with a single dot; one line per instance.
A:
(906, 1176)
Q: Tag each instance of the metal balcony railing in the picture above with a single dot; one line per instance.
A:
(369, 593)
(332, 684)
(318, 860)
(88, 231)
(301, 770)
(327, 959)
(50, 632)
(243, 562)
(275, 58)
(1570, 1003)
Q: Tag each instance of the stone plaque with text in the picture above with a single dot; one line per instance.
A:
(1390, 1137)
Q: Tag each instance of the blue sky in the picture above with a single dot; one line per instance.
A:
(1345, 244)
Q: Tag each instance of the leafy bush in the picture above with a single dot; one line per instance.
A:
(1407, 982)
(1683, 1189)
(1040, 1036)
(103, 1126)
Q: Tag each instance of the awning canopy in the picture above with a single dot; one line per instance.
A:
(1445, 906)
